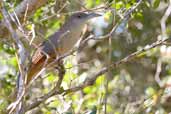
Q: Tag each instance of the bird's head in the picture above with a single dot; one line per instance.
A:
(80, 18)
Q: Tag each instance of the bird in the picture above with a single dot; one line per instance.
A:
(58, 43)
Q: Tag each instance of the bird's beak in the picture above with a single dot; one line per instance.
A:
(92, 15)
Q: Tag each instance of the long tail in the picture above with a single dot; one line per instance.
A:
(34, 69)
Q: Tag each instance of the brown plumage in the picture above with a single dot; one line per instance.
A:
(58, 43)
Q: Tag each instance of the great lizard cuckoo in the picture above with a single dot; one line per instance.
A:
(59, 43)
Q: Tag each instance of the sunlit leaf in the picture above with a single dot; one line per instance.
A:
(150, 91)
(155, 3)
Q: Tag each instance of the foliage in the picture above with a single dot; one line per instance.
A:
(141, 85)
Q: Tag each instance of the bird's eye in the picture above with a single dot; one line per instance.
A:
(79, 16)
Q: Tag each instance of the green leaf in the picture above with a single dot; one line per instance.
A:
(13, 61)
(108, 16)
(119, 5)
(100, 80)
(51, 77)
(150, 91)
(155, 3)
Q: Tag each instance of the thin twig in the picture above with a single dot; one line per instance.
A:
(22, 56)
(90, 81)
(158, 71)
(164, 19)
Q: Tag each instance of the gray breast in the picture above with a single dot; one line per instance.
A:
(61, 41)
(69, 40)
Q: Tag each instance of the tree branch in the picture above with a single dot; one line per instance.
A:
(90, 81)
(22, 55)
(30, 5)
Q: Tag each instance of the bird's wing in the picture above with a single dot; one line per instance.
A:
(38, 55)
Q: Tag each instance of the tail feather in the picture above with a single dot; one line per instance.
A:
(34, 69)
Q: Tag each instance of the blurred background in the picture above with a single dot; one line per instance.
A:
(140, 86)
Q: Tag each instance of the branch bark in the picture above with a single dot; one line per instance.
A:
(90, 81)
(20, 10)
(21, 53)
